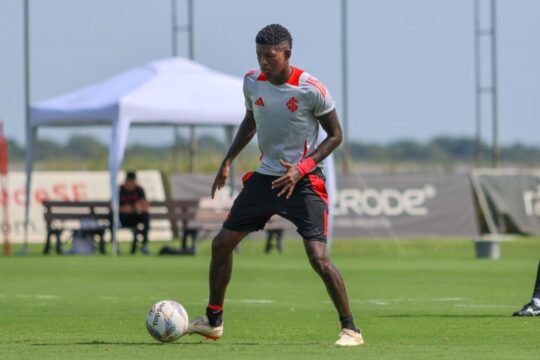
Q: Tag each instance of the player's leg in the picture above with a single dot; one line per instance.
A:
(221, 263)
(307, 208)
(250, 212)
(536, 292)
(532, 308)
(320, 261)
(210, 325)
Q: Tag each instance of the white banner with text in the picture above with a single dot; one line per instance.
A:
(63, 186)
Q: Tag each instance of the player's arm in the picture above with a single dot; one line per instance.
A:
(330, 123)
(245, 133)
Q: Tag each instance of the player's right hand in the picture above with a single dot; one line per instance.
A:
(221, 178)
(288, 181)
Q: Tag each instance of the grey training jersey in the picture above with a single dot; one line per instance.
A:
(285, 116)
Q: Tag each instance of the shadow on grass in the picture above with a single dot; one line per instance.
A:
(179, 343)
(123, 343)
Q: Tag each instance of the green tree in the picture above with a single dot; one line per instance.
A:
(84, 147)
(15, 151)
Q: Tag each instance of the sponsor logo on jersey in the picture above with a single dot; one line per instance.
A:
(259, 102)
(292, 104)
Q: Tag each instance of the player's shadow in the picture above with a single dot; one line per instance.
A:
(125, 343)
(122, 343)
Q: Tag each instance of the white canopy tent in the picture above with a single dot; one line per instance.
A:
(174, 91)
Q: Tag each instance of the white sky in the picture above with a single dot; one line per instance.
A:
(411, 63)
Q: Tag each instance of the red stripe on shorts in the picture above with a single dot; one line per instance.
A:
(318, 186)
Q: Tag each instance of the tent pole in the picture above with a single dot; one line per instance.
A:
(29, 164)
(174, 28)
(174, 50)
(191, 48)
(345, 89)
(29, 131)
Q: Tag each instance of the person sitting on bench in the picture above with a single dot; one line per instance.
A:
(134, 211)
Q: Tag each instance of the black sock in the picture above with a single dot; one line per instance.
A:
(214, 314)
(347, 322)
(536, 292)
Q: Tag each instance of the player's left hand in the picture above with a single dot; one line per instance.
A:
(288, 181)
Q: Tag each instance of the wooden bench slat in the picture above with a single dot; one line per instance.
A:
(58, 215)
(184, 215)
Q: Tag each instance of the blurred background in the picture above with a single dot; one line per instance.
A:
(410, 71)
(437, 87)
(440, 166)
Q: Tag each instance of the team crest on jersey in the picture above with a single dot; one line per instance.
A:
(292, 104)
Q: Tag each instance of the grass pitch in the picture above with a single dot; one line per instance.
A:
(413, 299)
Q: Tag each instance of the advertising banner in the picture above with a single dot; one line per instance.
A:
(405, 206)
(513, 199)
(64, 186)
(381, 205)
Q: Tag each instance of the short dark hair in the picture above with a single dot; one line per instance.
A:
(273, 34)
(131, 175)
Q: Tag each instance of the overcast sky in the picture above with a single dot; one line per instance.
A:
(411, 62)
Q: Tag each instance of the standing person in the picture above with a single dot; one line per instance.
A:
(284, 107)
(134, 211)
(532, 308)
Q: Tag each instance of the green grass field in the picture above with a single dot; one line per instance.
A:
(413, 299)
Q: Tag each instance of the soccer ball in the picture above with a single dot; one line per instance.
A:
(167, 320)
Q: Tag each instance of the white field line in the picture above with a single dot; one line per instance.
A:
(37, 296)
(490, 306)
(151, 300)
(251, 301)
(103, 298)
(384, 302)
(390, 301)
(380, 302)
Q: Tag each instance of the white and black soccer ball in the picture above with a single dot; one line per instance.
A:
(167, 321)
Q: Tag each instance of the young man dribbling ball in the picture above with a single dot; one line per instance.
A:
(284, 107)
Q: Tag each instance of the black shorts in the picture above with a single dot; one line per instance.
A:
(307, 208)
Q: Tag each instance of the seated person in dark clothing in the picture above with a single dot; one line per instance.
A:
(134, 211)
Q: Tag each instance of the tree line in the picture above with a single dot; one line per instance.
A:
(91, 154)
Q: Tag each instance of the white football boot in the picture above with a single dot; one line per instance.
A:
(202, 327)
(348, 337)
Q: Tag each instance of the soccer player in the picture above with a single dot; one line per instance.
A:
(284, 107)
(532, 308)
